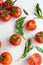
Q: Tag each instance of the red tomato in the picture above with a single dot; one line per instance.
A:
(30, 25)
(15, 39)
(16, 12)
(6, 58)
(35, 59)
(8, 4)
(0, 44)
(5, 16)
(1, 2)
(39, 37)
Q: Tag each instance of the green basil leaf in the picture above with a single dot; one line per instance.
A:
(38, 12)
(38, 9)
(19, 26)
(39, 49)
(25, 12)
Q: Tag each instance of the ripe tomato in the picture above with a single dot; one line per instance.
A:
(6, 58)
(16, 12)
(8, 4)
(1, 2)
(39, 37)
(0, 44)
(15, 39)
(5, 16)
(35, 59)
(30, 25)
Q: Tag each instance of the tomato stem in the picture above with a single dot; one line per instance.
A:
(14, 1)
(2, 57)
(14, 38)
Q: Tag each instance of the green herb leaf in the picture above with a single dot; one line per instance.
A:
(38, 9)
(29, 42)
(25, 12)
(20, 19)
(39, 49)
(38, 12)
(19, 26)
(27, 48)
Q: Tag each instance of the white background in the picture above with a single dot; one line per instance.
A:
(7, 29)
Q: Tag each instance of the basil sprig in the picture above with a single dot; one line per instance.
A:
(38, 12)
(27, 49)
(19, 26)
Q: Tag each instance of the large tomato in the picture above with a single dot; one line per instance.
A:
(5, 16)
(39, 37)
(15, 39)
(5, 58)
(35, 59)
(16, 12)
(30, 25)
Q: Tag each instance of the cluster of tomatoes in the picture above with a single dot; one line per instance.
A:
(7, 9)
(15, 40)
(6, 59)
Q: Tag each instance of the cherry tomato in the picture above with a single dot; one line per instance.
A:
(30, 25)
(6, 58)
(39, 37)
(35, 59)
(16, 12)
(5, 16)
(15, 39)
(0, 44)
(8, 4)
(1, 2)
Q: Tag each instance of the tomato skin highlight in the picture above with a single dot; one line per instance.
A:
(17, 13)
(1, 1)
(5, 18)
(38, 39)
(15, 42)
(5, 58)
(35, 59)
(31, 25)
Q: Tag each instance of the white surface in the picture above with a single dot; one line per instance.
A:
(7, 29)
